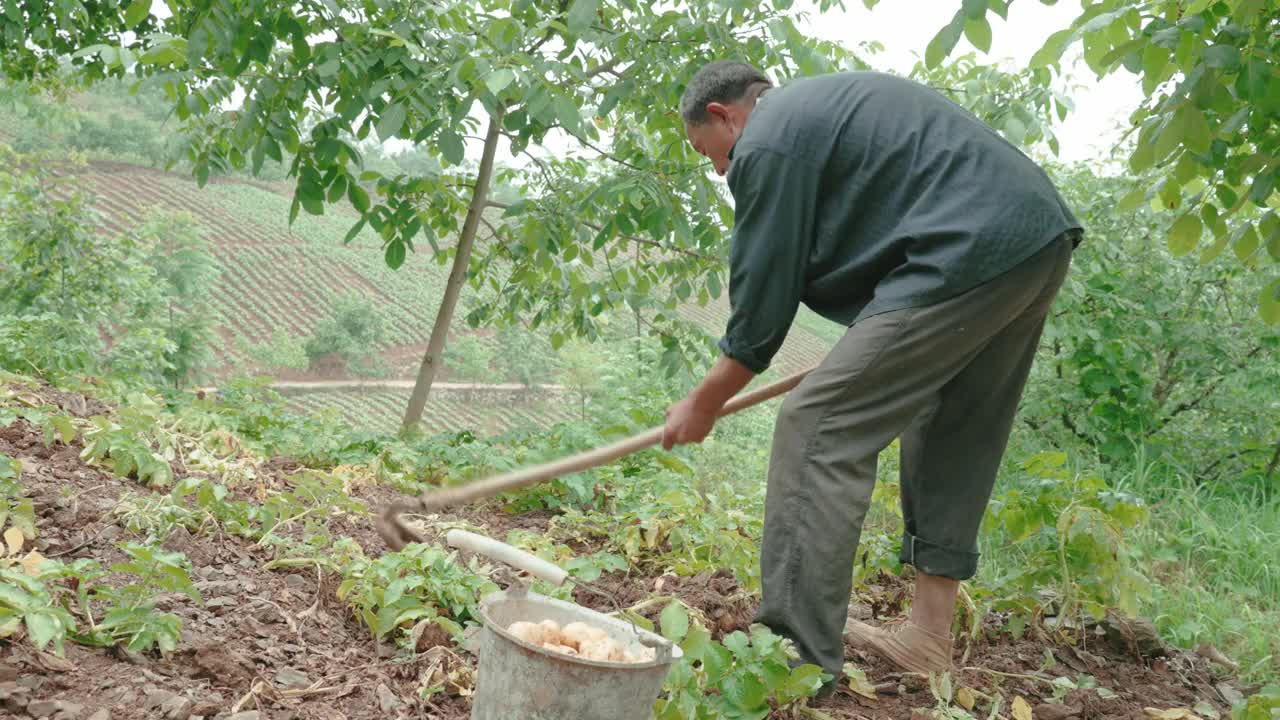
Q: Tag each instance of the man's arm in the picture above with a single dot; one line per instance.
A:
(775, 206)
(693, 417)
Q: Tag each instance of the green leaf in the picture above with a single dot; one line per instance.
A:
(744, 692)
(804, 680)
(312, 199)
(499, 79)
(713, 284)
(974, 9)
(1244, 241)
(979, 33)
(1269, 306)
(65, 429)
(358, 197)
(1155, 60)
(163, 55)
(568, 114)
(1263, 184)
(390, 121)
(451, 147)
(1169, 138)
(338, 188)
(944, 41)
(1270, 228)
(695, 644)
(1052, 50)
(580, 15)
(1225, 57)
(1133, 200)
(1143, 157)
(353, 232)
(395, 254)
(1015, 129)
(716, 661)
(1212, 252)
(674, 622)
(1185, 234)
(1195, 129)
(1252, 84)
(137, 12)
(737, 643)
(43, 627)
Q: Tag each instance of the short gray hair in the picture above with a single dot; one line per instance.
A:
(723, 81)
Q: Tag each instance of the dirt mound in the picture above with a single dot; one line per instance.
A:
(272, 643)
(715, 598)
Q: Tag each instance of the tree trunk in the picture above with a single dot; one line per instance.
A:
(457, 276)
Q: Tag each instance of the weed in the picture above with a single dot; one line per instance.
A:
(745, 676)
(419, 582)
(131, 617)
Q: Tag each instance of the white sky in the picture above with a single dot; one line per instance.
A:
(905, 27)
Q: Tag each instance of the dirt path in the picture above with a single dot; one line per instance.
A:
(404, 384)
(335, 385)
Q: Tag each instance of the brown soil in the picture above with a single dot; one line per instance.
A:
(278, 643)
(723, 606)
(1013, 669)
(281, 644)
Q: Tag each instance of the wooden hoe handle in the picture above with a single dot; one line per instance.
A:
(397, 535)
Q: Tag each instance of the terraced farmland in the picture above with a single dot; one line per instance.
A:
(274, 277)
(380, 410)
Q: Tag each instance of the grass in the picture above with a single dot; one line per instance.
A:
(1214, 554)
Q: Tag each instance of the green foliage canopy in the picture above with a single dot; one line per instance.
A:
(1208, 131)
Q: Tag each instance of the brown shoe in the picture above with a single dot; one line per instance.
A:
(903, 643)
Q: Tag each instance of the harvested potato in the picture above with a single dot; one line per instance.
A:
(551, 632)
(527, 631)
(562, 649)
(577, 634)
(578, 639)
(599, 650)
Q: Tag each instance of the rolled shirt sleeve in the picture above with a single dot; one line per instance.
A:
(775, 202)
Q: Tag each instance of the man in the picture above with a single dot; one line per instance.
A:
(883, 206)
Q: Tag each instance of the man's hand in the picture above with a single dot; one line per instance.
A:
(691, 419)
(687, 422)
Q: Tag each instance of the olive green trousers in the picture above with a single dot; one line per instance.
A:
(946, 379)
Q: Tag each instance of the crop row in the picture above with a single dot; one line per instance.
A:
(381, 411)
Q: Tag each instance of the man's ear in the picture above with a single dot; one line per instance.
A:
(718, 110)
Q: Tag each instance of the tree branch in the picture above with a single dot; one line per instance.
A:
(603, 68)
(493, 231)
(1204, 395)
(1203, 474)
(631, 238)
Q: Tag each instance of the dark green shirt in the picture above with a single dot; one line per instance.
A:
(861, 192)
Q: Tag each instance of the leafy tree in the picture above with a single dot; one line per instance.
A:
(188, 271)
(1162, 357)
(1208, 132)
(64, 291)
(625, 216)
(471, 360)
(354, 330)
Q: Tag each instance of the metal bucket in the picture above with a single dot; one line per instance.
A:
(517, 680)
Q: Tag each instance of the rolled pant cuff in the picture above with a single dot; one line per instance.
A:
(937, 560)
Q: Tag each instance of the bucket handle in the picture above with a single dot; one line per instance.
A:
(539, 568)
(502, 552)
